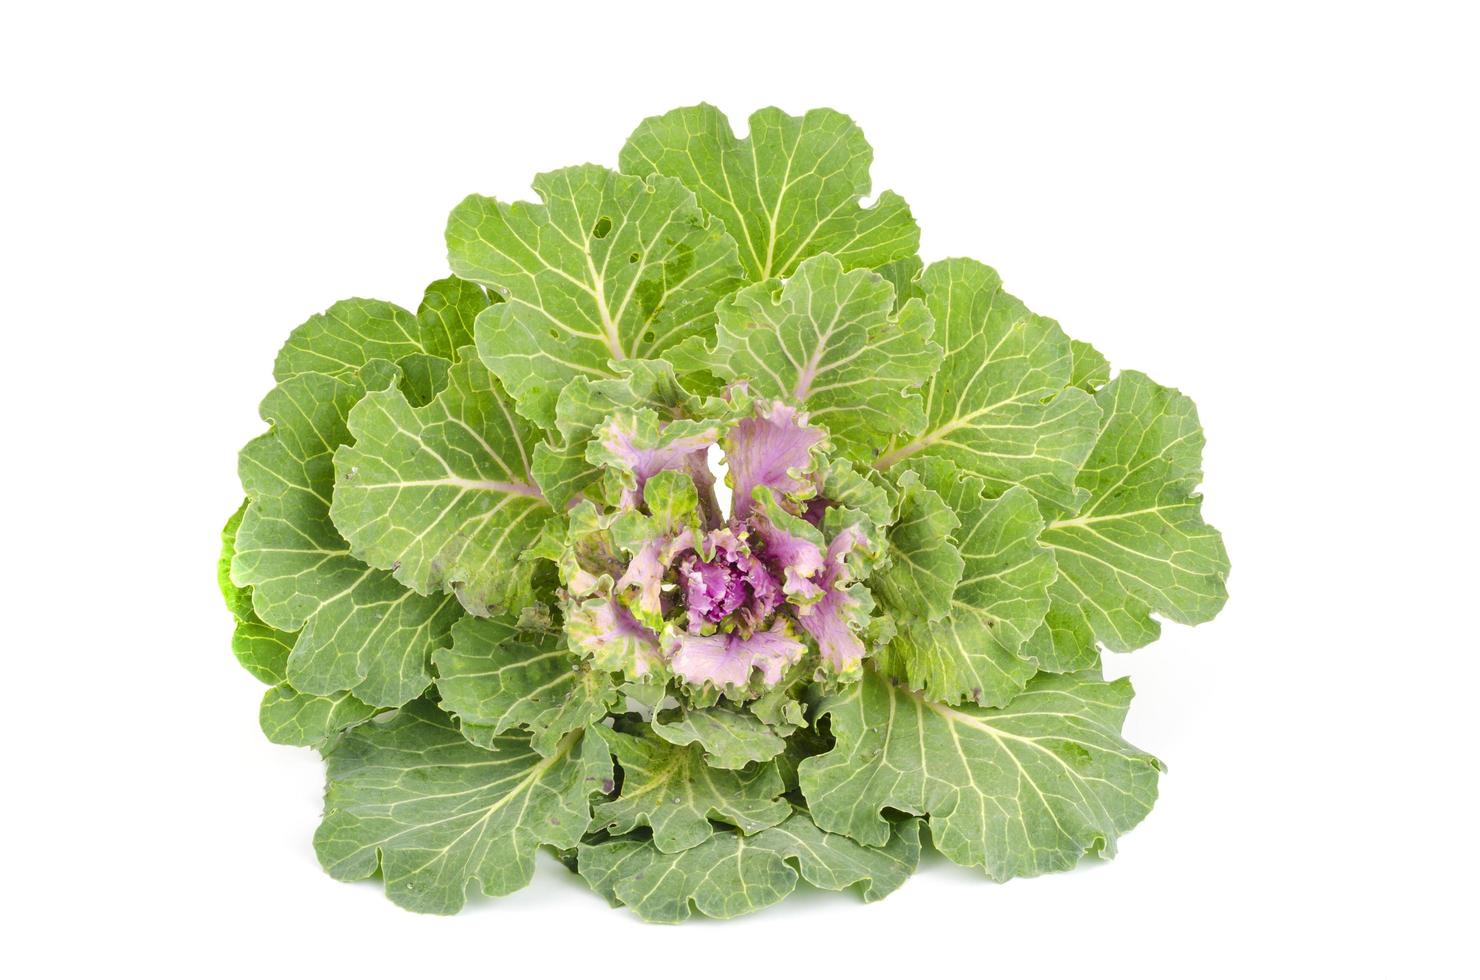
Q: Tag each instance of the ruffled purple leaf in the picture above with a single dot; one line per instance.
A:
(833, 619)
(642, 581)
(772, 448)
(787, 544)
(639, 446)
(728, 659)
(730, 582)
(608, 631)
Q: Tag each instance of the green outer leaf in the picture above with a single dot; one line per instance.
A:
(238, 597)
(998, 407)
(608, 267)
(354, 332)
(290, 717)
(977, 652)
(496, 677)
(787, 191)
(378, 374)
(870, 495)
(1065, 642)
(358, 630)
(924, 563)
(954, 660)
(262, 650)
(1022, 790)
(421, 377)
(347, 336)
(830, 341)
(441, 495)
(286, 548)
(670, 789)
(448, 310)
(1140, 544)
(904, 275)
(560, 467)
(731, 874)
(836, 862)
(374, 640)
(732, 739)
(1090, 369)
(259, 648)
(287, 717)
(434, 812)
(724, 876)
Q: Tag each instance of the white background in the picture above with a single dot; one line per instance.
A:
(1272, 208)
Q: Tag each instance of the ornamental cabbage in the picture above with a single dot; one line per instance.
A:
(487, 567)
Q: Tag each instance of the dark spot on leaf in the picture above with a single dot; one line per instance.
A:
(608, 786)
(1075, 754)
(602, 227)
(649, 295)
(679, 262)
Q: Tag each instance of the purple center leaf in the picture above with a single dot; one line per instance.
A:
(643, 447)
(771, 449)
(732, 583)
(615, 639)
(791, 547)
(727, 659)
(720, 604)
(645, 572)
(829, 620)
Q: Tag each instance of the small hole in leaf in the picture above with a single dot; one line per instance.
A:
(603, 226)
(633, 258)
(649, 337)
(554, 334)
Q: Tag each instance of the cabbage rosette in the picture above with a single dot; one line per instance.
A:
(695, 531)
